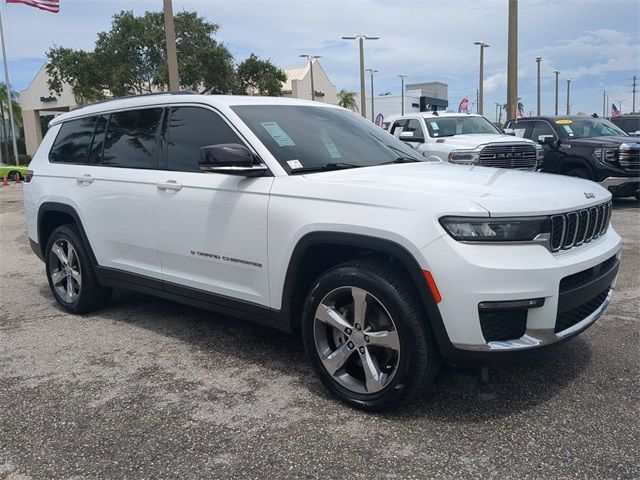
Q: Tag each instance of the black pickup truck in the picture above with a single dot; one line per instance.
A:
(586, 147)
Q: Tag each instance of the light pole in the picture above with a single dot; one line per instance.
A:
(372, 71)
(557, 74)
(538, 60)
(568, 96)
(620, 109)
(361, 39)
(604, 103)
(172, 54)
(311, 58)
(482, 46)
(402, 77)
(512, 61)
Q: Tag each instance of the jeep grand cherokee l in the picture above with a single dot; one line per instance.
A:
(586, 147)
(308, 218)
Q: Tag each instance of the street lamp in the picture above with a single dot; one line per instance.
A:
(361, 39)
(402, 77)
(568, 95)
(538, 60)
(372, 71)
(604, 102)
(557, 72)
(482, 46)
(311, 58)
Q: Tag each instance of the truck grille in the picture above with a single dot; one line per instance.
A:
(629, 158)
(572, 229)
(510, 155)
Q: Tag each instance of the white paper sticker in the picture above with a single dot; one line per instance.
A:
(294, 164)
(278, 134)
(434, 125)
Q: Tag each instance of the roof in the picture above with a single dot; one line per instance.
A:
(159, 99)
(551, 117)
(441, 114)
(294, 73)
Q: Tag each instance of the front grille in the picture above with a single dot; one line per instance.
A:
(501, 325)
(509, 155)
(572, 229)
(583, 277)
(569, 318)
(629, 158)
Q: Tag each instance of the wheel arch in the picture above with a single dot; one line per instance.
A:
(571, 163)
(302, 271)
(53, 214)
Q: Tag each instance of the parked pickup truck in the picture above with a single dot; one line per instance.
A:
(586, 147)
(465, 139)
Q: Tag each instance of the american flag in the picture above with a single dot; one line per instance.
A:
(52, 6)
(614, 111)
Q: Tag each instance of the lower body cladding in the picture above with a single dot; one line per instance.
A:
(622, 186)
(498, 300)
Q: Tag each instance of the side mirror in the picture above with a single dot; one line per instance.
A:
(546, 139)
(229, 158)
(509, 131)
(410, 137)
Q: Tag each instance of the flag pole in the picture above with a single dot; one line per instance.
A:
(6, 81)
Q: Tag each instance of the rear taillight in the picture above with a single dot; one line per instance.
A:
(28, 176)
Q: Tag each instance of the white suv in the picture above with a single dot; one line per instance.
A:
(308, 218)
(465, 139)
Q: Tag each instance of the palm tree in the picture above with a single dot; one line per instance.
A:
(348, 100)
(17, 116)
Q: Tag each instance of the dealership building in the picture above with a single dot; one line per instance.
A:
(39, 105)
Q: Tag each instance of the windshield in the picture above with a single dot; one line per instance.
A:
(305, 138)
(463, 125)
(589, 128)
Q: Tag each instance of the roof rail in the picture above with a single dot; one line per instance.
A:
(170, 92)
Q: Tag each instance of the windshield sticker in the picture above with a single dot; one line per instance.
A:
(434, 125)
(294, 164)
(278, 134)
(567, 128)
(330, 146)
(564, 121)
(519, 132)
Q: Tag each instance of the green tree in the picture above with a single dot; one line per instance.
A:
(130, 58)
(348, 100)
(259, 77)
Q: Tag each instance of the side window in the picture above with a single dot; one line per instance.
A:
(130, 140)
(396, 128)
(414, 126)
(73, 141)
(542, 128)
(520, 129)
(95, 154)
(190, 129)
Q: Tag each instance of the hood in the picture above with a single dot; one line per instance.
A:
(469, 142)
(502, 192)
(602, 141)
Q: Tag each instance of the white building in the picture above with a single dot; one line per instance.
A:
(298, 84)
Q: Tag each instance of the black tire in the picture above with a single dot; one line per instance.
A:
(91, 295)
(13, 176)
(418, 359)
(579, 172)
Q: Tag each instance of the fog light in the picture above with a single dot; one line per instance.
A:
(512, 304)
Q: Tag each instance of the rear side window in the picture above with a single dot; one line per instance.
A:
(73, 141)
(131, 139)
(190, 129)
(95, 154)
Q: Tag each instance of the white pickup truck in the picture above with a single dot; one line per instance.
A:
(465, 139)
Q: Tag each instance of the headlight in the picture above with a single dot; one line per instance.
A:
(605, 154)
(464, 157)
(477, 229)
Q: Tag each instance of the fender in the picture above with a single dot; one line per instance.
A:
(69, 210)
(579, 162)
(369, 243)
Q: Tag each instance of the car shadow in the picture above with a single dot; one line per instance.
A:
(458, 396)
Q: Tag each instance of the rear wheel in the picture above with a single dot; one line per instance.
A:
(366, 337)
(70, 273)
(13, 176)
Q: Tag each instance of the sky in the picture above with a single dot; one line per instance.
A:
(594, 43)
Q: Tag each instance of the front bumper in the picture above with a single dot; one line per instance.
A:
(622, 186)
(470, 274)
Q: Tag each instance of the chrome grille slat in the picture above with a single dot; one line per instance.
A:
(499, 156)
(572, 229)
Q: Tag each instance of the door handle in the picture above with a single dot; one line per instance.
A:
(171, 185)
(85, 179)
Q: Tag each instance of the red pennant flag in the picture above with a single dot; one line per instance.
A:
(52, 6)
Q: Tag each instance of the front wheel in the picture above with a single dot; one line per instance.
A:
(13, 176)
(366, 337)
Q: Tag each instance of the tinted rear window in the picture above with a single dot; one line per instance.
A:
(73, 141)
(131, 140)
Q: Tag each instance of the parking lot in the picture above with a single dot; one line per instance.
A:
(151, 389)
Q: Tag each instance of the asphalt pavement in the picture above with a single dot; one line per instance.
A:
(147, 388)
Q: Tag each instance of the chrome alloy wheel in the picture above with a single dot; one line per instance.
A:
(357, 340)
(64, 270)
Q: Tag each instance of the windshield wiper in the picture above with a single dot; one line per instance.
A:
(325, 168)
(400, 159)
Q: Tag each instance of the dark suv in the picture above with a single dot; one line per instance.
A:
(586, 147)
(628, 123)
